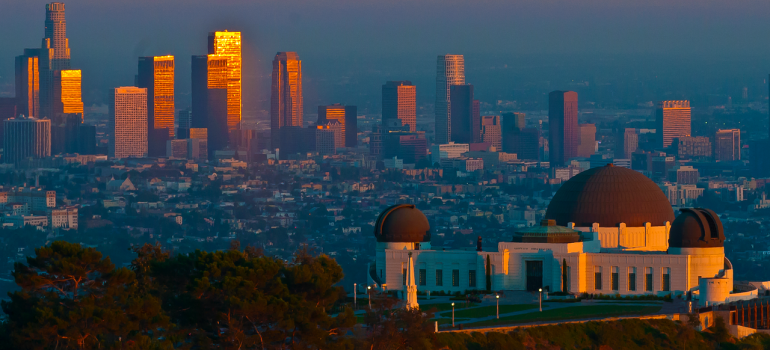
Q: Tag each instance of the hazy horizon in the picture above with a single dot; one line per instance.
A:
(519, 50)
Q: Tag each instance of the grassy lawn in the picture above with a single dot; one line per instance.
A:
(571, 313)
(489, 310)
(446, 306)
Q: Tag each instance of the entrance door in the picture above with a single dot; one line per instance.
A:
(534, 275)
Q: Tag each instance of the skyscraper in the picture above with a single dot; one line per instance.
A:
(673, 120)
(128, 122)
(347, 116)
(727, 145)
(53, 56)
(586, 140)
(461, 111)
(285, 94)
(28, 83)
(491, 131)
(626, 143)
(228, 44)
(184, 119)
(66, 93)
(450, 70)
(511, 125)
(209, 98)
(476, 121)
(156, 74)
(563, 126)
(26, 137)
(399, 101)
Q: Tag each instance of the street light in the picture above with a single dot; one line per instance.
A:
(355, 300)
(540, 298)
(369, 293)
(453, 315)
(497, 298)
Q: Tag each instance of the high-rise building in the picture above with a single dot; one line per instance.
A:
(156, 74)
(490, 131)
(727, 145)
(347, 116)
(67, 93)
(692, 147)
(529, 144)
(26, 137)
(53, 56)
(476, 128)
(285, 94)
(626, 143)
(326, 138)
(184, 119)
(511, 125)
(450, 70)
(673, 120)
(128, 122)
(28, 83)
(586, 140)
(209, 98)
(8, 110)
(461, 111)
(563, 126)
(228, 44)
(399, 101)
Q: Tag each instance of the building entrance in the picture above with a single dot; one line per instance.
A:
(534, 275)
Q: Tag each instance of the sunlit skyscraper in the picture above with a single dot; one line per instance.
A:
(156, 74)
(228, 44)
(673, 121)
(399, 101)
(285, 94)
(347, 116)
(563, 126)
(450, 70)
(56, 36)
(28, 83)
(67, 92)
(128, 122)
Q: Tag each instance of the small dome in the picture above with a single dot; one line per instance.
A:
(402, 223)
(610, 195)
(696, 228)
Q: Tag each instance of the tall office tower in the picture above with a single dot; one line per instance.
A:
(529, 144)
(209, 98)
(228, 44)
(586, 140)
(491, 131)
(476, 121)
(727, 145)
(626, 143)
(347, 116)
(184, 119)
(66, 94)
(450, 70)
(692, 147)
(285, 94)
(8, 110)
(461, 111)
(64, 133)
(511, 125)
(26, 137)
(399, 101)
(28, 83)
(128, 122)
(53, 56)
(156, 74)
(563, 126)
(673, 120)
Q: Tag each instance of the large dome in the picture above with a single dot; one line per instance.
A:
(610, 195)
(402, 223)
(696, 228)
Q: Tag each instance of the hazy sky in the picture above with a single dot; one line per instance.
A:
(350, 47)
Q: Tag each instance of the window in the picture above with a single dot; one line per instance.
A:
(455, 278)
(439, 278)
(615, 275)
(666, 280)
(632, 279)
(648, 279)
(598, 277)
(403, 276)
(422, 277)
(471, 278)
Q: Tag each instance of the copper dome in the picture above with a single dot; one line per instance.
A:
(402, 223)
(696, 228)
(610, 195)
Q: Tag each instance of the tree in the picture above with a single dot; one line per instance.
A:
(397, 328)
(693, 320)
(71, 298)
(720, 331)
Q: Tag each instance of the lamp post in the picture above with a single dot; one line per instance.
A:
(355, 300)
(453, 315)
(369, 293)
(497, 298)
(540, 298)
